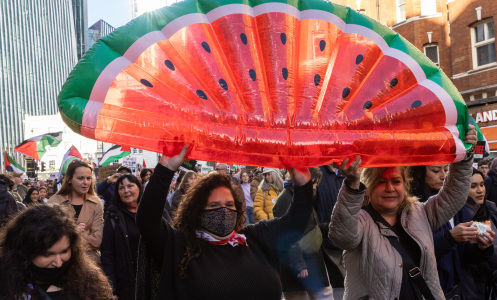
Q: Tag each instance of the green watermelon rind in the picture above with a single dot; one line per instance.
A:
(78, 87)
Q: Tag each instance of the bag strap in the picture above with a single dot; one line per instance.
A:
(413, 270)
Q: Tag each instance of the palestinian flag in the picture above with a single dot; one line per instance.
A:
(71, 154)
(11, 165)
(114, 153)
(35, 147)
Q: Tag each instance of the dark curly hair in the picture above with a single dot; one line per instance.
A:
(30, 234)
(188, 215)
(144, 173)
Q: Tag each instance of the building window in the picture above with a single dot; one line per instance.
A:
(134, 150)
(401, 10)
(483, 40)
(428, 7)
(431, 50)
(51, 164)
(140, 151)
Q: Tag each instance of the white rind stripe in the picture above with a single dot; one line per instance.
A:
(277, 7)
(323, 15)
(177, 24)
(229, 9)
(115, 67)
(409, 62)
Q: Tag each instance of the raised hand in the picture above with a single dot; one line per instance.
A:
(174, 162)
(351, 172)
(470, 137)
(300, 176)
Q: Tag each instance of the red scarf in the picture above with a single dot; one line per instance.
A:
(234, 240)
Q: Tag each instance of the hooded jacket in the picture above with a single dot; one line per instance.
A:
(7, 202)
(374, 267)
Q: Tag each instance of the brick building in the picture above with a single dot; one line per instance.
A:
(457, 35)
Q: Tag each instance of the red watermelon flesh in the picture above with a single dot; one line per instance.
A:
(257, 104)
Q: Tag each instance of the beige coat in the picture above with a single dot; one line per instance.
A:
(374, 267)
(91, 215)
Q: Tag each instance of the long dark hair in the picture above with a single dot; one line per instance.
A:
(144, 172)
(27, 199)
(30, 234)
(188, 214)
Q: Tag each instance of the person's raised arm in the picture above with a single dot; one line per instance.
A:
(150, 210)
(454, 192)
(345, 230)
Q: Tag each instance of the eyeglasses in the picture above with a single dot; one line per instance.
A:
(220, 169)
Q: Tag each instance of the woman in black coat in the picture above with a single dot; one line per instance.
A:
(119, 247)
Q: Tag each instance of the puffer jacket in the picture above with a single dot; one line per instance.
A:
(374, 267)
(263, 204)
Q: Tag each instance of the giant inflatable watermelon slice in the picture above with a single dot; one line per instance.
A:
(301, 83)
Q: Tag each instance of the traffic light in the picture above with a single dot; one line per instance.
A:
(43, 166)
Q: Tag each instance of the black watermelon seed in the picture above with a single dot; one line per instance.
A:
(416, 104)
(243, 37)
(223, 84)
(283, 38)
(359, 59)
(284, 72)
(317, 79)
(367, 105)
(206, 47)
(146, 82)
(201, 94)
(252, 74)
(169, 64)
(394, 82)
(322, 45)
(345, 93)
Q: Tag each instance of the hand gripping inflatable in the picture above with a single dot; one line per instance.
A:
(266, 84)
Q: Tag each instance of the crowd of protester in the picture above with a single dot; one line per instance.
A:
(252, 233)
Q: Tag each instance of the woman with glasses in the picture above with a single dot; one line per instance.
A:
(78, 198)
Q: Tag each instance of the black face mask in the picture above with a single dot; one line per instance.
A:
(220, 221)
(50, 276)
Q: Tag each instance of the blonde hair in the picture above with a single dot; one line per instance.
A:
(277, 183)
(371, 178)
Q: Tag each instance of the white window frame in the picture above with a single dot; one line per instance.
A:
(475, 45)
(438, 52)
(400, 18)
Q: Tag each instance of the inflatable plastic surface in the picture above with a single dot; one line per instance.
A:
(266, 84)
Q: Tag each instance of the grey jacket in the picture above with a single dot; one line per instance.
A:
(374, 267)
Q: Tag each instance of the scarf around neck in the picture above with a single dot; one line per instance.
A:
(234, 240)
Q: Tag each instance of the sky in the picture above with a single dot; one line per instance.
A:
(114, 12)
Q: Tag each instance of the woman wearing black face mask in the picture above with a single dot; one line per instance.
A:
(208, 252)
(42, 257)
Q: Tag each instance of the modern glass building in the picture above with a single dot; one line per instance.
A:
(37, 52)
(99, 30)
(80, 15)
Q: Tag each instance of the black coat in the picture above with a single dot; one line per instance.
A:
(8, 204)
(116, 251)
(479, 272)
(491, 186)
